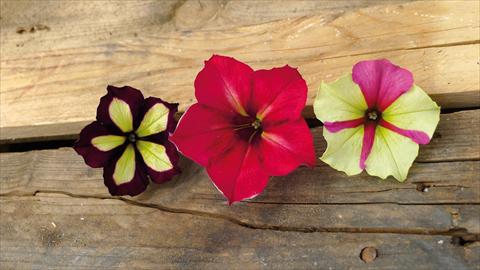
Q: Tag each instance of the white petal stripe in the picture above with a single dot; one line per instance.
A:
(125, 166)
(154, 121)
(119, 112)
(154, 156)
(107, 142)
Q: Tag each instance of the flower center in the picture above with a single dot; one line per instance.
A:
(247, 128)
(132, 137)
(256, 124)
(373, 115)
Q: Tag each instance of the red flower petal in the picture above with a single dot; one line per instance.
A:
(224, 84)
(368, 138)
(417, 136)
(381, 82)
(279, 94)
(135, 186)
(93, 156)
(284, 147)
(341, 125)
(203, 133)
(237, 173)
(130, 95)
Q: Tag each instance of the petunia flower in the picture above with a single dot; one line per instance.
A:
(130, 141)
(246, 126)
(374, 119)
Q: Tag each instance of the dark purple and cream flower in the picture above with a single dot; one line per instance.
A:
(130, 141)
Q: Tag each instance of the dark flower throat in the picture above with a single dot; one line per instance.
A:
(373, 115)
(247, 128)
(132, 137)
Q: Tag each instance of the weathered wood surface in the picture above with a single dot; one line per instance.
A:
(57, 57)
(55, 213)
(56, 210)
(59, 232)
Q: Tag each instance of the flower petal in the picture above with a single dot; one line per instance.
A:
(344, 149)
(154, 155)
(125, 176)
(158, 117)
(120, 108)
(203, 133)
(392, 154)
(340, 125)
(419, 137)
(341, 100)
(284, 147)
(237, 173)
(160, 160)
(103, 151)
(224, 84)
(367, 142)
(414, 110)
(279, 94)
(108, 142)
(381, 82)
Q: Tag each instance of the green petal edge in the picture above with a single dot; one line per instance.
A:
(414, 110)
(339, 101)
(343, 150)
(392, 154)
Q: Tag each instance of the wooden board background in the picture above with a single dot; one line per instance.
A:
(64, 53)
(57, 210)
(57, 56)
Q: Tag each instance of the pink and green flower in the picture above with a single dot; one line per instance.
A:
(130, 141)
(374, 119)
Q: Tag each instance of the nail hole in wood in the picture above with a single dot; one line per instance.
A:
(422, 187)
(463, 241)
(368, 254)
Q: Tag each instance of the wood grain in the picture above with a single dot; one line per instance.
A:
(55, 213)
(51, 231)
(441, 194)
(57, 74)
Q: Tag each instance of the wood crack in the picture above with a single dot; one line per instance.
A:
(447, 160)
(454, 231)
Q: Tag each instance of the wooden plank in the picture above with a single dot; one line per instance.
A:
(456, 138)
(58, 232)
(441, 194)
(439, 43)
(451, 202)
(49, 132)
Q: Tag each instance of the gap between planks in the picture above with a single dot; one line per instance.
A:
(70, 130)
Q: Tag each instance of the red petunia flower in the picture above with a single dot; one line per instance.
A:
(130, 140)
(246, 126)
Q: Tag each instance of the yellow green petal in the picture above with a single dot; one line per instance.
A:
(414, 110)
(107, 142)
(125, 166)
(339, 101)
(343, 149)
(392, 154)
(154, 121)
(154, 156)
(121, 115)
